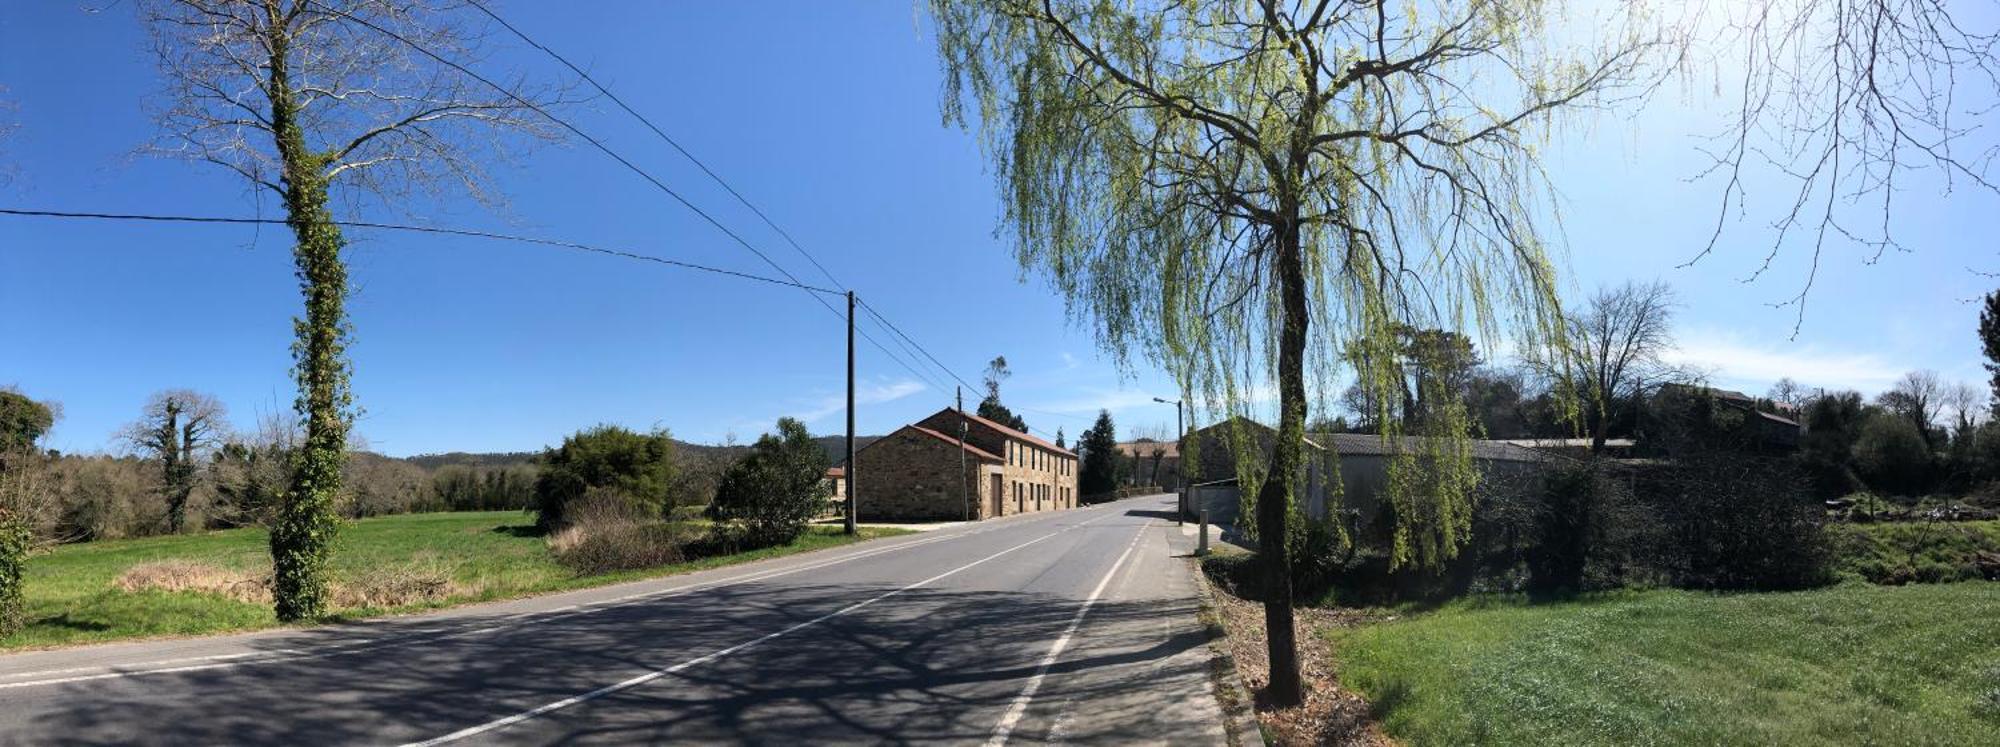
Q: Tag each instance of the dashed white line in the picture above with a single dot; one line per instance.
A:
(658, 673)
(424, 635)
(1005, 729)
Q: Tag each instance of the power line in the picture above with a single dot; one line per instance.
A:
(663, 136)
(607, 150)
(157, 218)
(598, 144)
(927, 354)
(579, 246)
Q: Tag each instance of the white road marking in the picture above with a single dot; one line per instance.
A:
(1005, 728)
(658, 673)
(221, 661)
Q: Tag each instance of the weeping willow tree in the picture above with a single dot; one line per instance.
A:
(1237, 191)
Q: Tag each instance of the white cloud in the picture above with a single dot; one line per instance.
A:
(1737, 363)
(872, 394)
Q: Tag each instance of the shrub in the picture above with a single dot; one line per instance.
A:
(196, 577)
(775, 492)
(639, 467)
(1892, 456)
(424, 580)
(1736, 522)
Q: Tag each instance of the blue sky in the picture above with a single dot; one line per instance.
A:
(826, 115)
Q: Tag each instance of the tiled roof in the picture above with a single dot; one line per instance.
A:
(1011, 433)
(969, 448)
(1777, 418)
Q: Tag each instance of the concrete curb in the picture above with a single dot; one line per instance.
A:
(1238, 714)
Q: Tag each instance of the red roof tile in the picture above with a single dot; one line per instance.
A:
(1011, 433)
(969, 448)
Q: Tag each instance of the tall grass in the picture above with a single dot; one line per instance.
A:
(194, 584)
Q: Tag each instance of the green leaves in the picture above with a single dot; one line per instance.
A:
(778, 489)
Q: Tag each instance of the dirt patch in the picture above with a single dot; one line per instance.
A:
(201, 578)
(1330, 715)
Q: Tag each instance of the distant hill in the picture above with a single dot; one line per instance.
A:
(500, 459)
(835, 447)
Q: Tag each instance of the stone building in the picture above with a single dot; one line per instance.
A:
(915, 473)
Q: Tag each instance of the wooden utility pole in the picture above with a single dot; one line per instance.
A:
(963, 493)
(848, 474)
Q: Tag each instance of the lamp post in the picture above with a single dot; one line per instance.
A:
(1180, 459)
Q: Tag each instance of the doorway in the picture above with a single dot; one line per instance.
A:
(998, 503)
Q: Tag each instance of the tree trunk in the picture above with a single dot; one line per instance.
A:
(1600, 428)
(1273, 501)
(302, 538)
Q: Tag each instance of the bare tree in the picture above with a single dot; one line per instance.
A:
(180, 428)
(1788, 393)
(316, 98)
(1967, 405)
(1845, 101)
(1918, 397)
(1616, 344)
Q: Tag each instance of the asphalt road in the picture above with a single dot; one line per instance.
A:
(1076, 626)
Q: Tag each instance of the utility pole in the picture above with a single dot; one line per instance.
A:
(848, 475)
(963, 494)
(1180, 459)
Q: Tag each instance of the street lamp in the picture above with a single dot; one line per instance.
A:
(1180, 458)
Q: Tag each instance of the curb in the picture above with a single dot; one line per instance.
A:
(1239, 717)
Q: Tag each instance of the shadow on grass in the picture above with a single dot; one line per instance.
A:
(68, 622)
(520, 530)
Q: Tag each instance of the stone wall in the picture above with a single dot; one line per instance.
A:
(910, 475)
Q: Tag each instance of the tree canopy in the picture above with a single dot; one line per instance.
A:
(637, 468)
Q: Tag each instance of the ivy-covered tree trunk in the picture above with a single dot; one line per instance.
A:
(1274, 498)
(302, 538)
(15, 540)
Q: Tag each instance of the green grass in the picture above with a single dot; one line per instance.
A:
(1896, 552)
(490, 555)
(1853, 664)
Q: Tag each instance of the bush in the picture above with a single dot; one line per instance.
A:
(639, 467)
(1736, 522)
(775, 492)
(605, 535)
(1892, 456)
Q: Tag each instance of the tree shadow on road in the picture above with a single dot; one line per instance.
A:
(920, 666)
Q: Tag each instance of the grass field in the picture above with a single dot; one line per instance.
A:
(1853, 664)
(1899, 552)
(72, 597)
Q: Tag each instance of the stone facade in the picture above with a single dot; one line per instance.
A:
(913, 474)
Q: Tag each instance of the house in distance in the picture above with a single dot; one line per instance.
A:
(921, 472)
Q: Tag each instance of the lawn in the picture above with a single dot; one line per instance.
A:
(1853, 664)
(72, 597)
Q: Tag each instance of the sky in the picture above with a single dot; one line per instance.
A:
(826, 116)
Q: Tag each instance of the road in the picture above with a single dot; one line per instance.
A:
(1074, 626)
